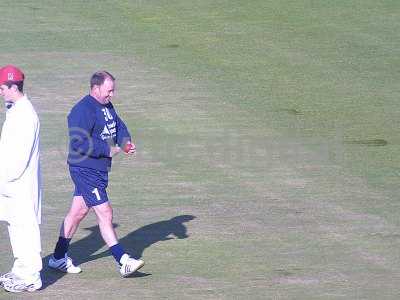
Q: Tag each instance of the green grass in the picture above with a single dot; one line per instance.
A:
(274, 123)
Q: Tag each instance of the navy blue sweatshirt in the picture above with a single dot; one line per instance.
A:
(93, 128)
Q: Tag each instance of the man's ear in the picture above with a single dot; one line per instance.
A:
(95, 90)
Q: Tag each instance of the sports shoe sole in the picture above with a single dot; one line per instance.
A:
(18, 288)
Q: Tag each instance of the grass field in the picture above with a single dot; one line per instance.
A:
(268, 144)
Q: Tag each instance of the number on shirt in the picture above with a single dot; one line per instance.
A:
(107, 114)
(96, 192)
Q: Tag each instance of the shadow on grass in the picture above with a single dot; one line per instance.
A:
(134, 243)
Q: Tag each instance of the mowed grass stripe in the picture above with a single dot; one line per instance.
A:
(272, 223)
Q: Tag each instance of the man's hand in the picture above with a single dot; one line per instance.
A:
(129, 148)
(114, 150)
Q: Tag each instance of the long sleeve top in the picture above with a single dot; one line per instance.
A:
(93, 128)
(20, 191)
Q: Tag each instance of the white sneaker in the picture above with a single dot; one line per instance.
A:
(17, 285)
(6, 277)
(64, 265)
(130, 265)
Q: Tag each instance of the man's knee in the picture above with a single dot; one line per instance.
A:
(78, 214)
(78, 209)
(104, 213)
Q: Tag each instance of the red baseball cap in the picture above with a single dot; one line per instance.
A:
(11, 73)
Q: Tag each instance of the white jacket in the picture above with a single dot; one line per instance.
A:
(20, 192)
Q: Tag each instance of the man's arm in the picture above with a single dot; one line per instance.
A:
(124, 138)
(123, 135)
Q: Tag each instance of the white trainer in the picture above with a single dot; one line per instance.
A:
(64, 265)
(6, 277)
(17, 285)
(130, 265)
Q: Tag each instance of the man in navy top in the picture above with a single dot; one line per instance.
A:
(96, 134)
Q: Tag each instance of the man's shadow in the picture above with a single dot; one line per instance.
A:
(134, 243)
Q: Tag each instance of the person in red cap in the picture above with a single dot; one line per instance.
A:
(20, 193)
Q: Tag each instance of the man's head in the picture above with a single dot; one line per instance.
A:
(102, 85)
(11, 83)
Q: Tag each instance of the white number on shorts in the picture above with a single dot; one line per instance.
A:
(96, 192)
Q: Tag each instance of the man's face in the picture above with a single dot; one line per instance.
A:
(105, 92)
(6, 92)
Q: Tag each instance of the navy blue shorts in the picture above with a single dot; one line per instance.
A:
(90, 184)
